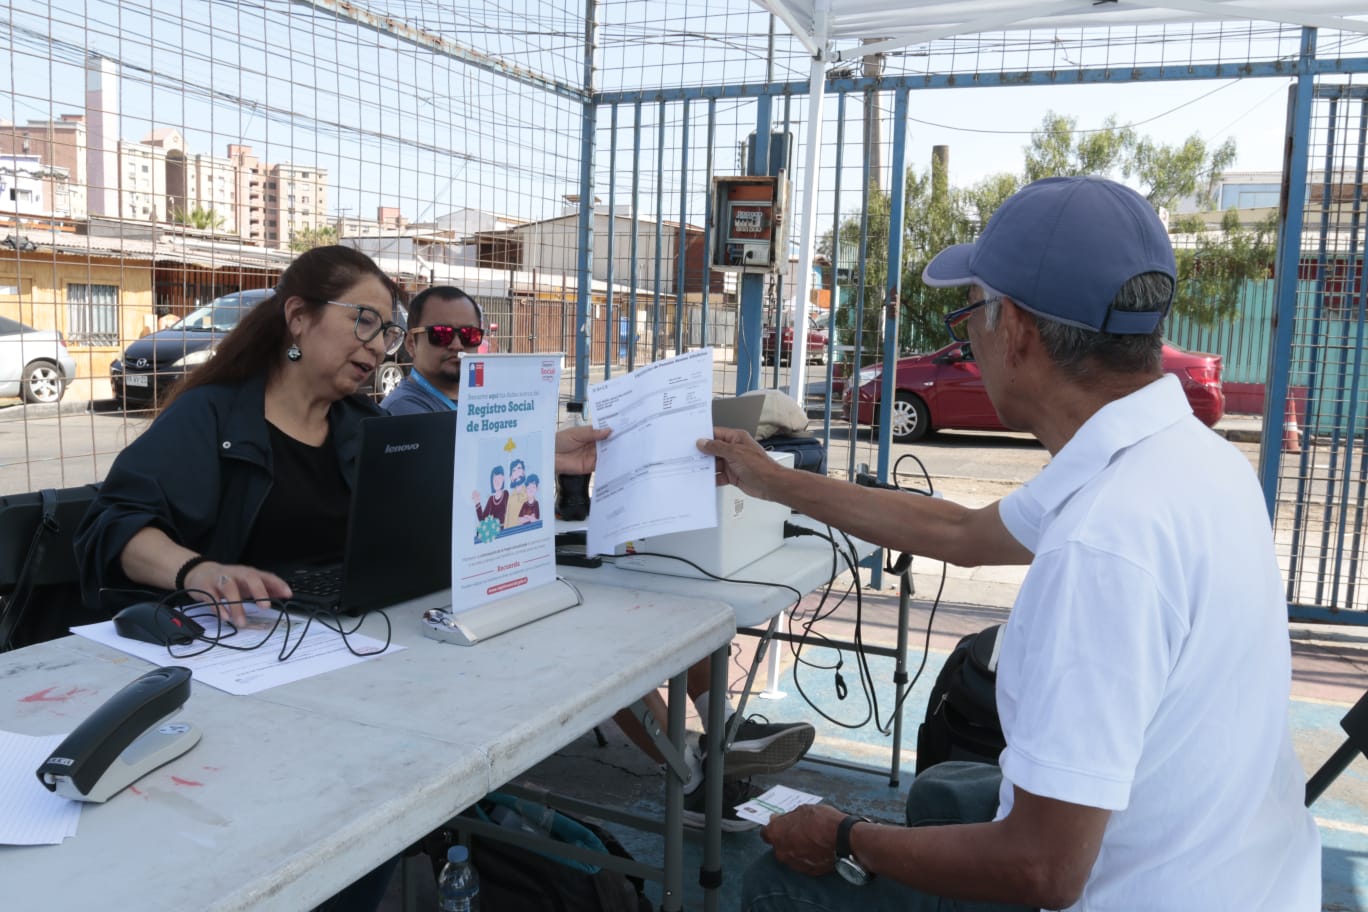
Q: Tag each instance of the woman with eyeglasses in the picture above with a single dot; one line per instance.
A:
(249, 466)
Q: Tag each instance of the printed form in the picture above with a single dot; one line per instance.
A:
(254, 664)
(651, 478)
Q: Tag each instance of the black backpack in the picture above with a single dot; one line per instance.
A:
(808, 452)
(961, 715)
(515, 879)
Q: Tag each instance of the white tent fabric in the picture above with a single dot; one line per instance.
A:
(832, 30)
(825, 25)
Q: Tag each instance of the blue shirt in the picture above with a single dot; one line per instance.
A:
(415, 397)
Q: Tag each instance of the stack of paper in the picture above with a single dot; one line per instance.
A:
(29, 813)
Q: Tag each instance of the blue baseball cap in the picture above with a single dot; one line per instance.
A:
(1062, 248)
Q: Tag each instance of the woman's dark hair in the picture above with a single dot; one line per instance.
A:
(496, 472)
(443, 293)
(257, 344)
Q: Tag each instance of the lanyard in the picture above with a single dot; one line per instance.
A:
(427, 385)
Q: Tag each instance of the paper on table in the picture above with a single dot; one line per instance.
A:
(651, 478)
(237, 672)
(778, 800)
(29, 813)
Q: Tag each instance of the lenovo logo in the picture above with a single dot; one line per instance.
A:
(400, 447)
(61, 761)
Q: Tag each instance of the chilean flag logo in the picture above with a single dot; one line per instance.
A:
(476, 375)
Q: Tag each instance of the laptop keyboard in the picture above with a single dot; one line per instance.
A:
(317, 584)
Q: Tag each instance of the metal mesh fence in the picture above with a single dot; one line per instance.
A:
(1323, 478)
(156, 157)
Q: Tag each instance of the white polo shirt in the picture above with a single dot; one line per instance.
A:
(1146, 666)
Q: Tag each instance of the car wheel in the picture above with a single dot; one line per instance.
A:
(43, 382)
(911, 420)
(387, 377)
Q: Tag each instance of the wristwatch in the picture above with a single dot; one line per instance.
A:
(846, 863)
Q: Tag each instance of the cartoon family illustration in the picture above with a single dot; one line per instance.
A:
(514, 508)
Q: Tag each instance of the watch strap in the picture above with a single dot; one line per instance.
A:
(843, 835)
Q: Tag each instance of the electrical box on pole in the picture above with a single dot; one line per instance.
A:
(748, 222)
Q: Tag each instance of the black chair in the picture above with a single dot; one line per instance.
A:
(39, 579)
(1355, 725)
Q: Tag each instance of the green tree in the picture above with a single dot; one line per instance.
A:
(199, 217)
(1058, 149)
(1215, 267)
(309, 238)
(871, 281)
(936, 218)
(1212, 265)
(1173, 172)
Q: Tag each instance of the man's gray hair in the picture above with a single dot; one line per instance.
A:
(1077, 351)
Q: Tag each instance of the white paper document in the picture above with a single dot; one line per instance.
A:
(778, 800)
(503, 535)
(29, 813)
(651, 478)
(237, 672)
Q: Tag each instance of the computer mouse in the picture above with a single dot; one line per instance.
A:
(152, 622)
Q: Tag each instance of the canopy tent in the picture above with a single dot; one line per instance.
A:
(837, 30)
(823, 26)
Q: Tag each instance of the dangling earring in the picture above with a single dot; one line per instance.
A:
(293, 352)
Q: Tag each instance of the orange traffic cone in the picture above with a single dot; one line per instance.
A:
(1291, 433)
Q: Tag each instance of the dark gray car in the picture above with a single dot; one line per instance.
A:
(151, 365)
(154, 363)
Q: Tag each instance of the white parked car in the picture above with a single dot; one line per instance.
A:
(34, 363)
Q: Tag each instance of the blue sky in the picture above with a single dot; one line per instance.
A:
(396, 126)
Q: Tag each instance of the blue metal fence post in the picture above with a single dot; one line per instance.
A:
(585, 233)
(1291, 215)
(897, 195)
(681, 237)
(611, 340)
(753, 284)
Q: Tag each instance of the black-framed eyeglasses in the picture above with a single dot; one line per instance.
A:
(441, 335)
(957, 321)
(370, 324)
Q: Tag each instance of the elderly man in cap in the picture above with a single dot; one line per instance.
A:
(1144, 673)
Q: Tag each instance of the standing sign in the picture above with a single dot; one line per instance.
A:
(503, 524)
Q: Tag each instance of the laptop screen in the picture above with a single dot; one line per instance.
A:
(399, 531)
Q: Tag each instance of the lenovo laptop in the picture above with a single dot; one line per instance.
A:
(399, 530)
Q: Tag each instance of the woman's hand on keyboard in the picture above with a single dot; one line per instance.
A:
(232, 584)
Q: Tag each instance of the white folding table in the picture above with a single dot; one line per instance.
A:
(296, 791)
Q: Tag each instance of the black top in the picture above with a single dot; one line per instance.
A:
(200, 472)
(303, 520)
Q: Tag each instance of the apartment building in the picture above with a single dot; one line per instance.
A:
(297, 200)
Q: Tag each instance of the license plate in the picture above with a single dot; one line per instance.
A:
(135, 379)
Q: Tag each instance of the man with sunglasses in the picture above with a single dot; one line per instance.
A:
(444, 323)
(1144, 672)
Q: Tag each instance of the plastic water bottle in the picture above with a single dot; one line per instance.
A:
(458, 889)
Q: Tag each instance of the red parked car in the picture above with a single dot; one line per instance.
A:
(816, 342)
(944, 391)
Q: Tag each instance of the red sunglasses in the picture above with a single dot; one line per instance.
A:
(441, 336)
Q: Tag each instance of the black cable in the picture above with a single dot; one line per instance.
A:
(862, 660)
(930, 489)
(808, 634)
(724, 579)
(331, 620)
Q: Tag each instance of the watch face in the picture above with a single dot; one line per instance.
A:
(850, 869)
